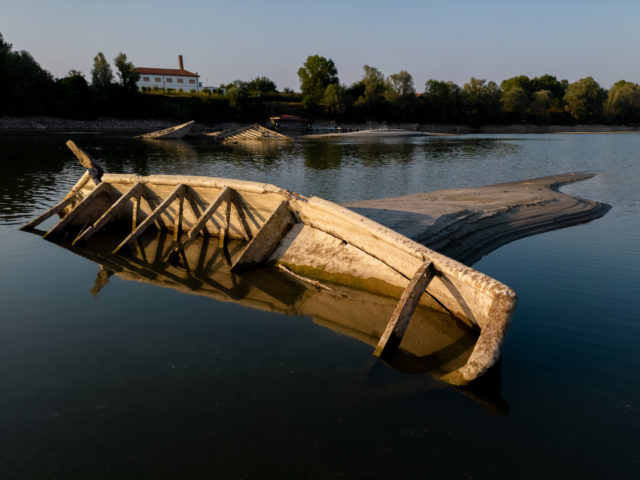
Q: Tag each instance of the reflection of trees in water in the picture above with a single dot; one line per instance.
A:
(468, 147)
(265, 153)
(382, 151)
(322, 155)
(30, 177)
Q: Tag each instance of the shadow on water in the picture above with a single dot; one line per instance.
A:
(435, 343)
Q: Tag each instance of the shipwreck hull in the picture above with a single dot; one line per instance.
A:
(310, 237)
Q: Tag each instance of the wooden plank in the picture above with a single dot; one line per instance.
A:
(267, 238)
(49, 213)
(95, 169)
(407, 304)
(146, 223)
(106, 216)
(225, 194)
(86, 202)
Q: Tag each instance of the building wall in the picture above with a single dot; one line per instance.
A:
(165, 82)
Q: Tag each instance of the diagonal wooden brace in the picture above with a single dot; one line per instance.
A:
(146, 223)
(106, 216)
(193, 233)
(406, 306)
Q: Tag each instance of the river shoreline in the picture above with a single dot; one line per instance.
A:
(42, 123)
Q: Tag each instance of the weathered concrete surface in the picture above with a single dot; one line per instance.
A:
(466, 224)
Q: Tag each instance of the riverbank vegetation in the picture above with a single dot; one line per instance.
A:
(28, 89)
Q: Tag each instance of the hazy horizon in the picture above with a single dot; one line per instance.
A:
(223, 42)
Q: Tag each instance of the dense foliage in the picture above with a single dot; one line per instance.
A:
(28, 89)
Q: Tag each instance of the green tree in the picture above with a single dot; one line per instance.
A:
(441, 101)
(126, 72)
(25, 87)
(556, 87)
(481, 100)
(236, 93)
(521, 81)
(334, 100)
(400, 86)
(261, 85)
(540, 107)
(374, 85)
(74, 94)
(623, 102)
(315, 76)
(515, 103)
(101, 74)
(584, 100)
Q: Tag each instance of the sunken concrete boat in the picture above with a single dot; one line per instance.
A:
(250, 133)
(171, 133)
(309, 237)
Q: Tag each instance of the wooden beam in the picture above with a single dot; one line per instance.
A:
(224, 230)
(407, 304)
(134, 214)
(101, 188)
(177, 224)
(49, 213)
(146, 223)
(95, 169)
(267, 238)
(201, 222)
(106, 216)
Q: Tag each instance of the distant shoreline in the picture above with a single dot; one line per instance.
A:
(40, 123)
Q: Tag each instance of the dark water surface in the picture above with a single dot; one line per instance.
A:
(140, 381)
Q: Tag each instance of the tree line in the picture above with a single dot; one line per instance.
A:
(28, 89)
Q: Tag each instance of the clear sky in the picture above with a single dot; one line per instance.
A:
(241, 39)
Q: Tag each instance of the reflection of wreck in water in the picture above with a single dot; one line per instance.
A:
(314, 239)
(435, 342)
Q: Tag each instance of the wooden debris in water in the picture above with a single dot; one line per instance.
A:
(250, 133)
(171, 133)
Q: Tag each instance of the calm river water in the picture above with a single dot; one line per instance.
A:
(145, 382)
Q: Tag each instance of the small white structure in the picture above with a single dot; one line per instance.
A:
(169, 79)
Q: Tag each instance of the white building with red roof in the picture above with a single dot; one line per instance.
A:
(169, 79)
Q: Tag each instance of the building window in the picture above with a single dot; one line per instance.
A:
(145, 79)
(180, 80)
(158, 79)
(191, 80)
(169, 80)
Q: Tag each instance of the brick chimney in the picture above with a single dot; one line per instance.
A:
(180, 62)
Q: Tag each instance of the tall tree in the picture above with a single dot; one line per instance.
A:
(481, 101)
(315, 76)
(334, 100)
(101, 74)
(521, 81)
(584, 100)
(374, 85)
(623, 102)
(442, 101)
(515, 103)
(400, 86)
(126, 72)
(25, 87)
(541, 106)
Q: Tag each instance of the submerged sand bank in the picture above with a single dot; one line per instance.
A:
(467, 224)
